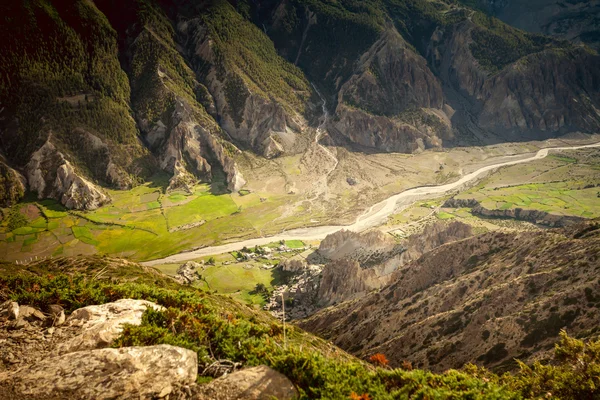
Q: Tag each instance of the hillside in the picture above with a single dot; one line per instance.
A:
(486, 299)
(573, 20)
(107, 94)
(218, 328)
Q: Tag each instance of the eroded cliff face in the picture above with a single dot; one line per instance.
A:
(255, 117)
(175, 112)
(551, 92)
(361, 262)
(488, 299)
(543, 94)
(393, 102)
(51, 175)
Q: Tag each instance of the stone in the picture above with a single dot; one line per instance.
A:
(9, 309)
(188, 273)
(126, 373)
(31, 314)
(257, 383)
(101, 324)
(19, 323)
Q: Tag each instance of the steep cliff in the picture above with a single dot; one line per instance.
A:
(360, 263)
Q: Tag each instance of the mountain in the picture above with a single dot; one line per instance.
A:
(577, 20)
(107, 94)
(484, 299)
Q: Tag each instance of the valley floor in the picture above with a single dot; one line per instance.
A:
(146, 223)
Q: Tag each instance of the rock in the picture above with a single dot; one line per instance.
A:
(188, 273)
(31, 314)
(258, 383)
(9, 309)
(12, 185)
(51, 175)
(126, 373)
(351, 181)
(102, 324)
(19, 323)
(294, 265)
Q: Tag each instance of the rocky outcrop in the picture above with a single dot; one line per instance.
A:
(100, 325)
(258, 383)
(52, 176)
(367, 261)
(548, 92)
(180, 130)
(344, 279)
(356, 246)
(140, 372)
(188, 273)
(250, 113)
(551, 92)
(98, 158)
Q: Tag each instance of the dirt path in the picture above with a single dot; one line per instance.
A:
(374, 216)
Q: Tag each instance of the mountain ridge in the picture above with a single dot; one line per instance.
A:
(146, 86)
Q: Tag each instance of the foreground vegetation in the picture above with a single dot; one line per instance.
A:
(217, 327)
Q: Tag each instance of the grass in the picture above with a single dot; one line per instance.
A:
(560, 184)
(142, 223)
(444, 216)
(294, 244)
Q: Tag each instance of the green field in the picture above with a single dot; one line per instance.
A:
(565, 184)
(239, 279)
(143, 223)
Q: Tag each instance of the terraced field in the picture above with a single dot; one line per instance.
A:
(141, 223)
(565, 184)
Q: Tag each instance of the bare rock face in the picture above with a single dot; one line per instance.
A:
(183, 133)
(393, 102)
(98, 157)
(126, 373)
(367, 261)
(258, 383)
(294, 265)
(51, 175)
(9, 309)
(433, 236)
(260, 121)
(554, 91)
(357, 246)
(544, 94)
(343, 280)
(102, 324)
